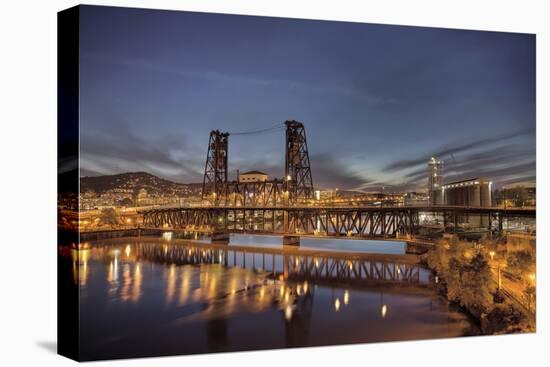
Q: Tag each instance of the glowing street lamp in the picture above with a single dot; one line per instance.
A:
(492, 254)
(499, 277)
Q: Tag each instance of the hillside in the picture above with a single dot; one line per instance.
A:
(134, 181)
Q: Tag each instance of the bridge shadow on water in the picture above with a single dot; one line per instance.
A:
(284, 263)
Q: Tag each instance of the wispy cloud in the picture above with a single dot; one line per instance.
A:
(501, 158)
(348, 90)
(458, 148)
(117, 149)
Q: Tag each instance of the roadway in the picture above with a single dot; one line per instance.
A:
(525, 211)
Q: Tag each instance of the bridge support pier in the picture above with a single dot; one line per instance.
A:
(291, 240)
(220, 236)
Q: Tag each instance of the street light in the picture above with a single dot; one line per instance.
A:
(499, 277)
(492, 254)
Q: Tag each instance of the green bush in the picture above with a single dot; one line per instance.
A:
(504, 318)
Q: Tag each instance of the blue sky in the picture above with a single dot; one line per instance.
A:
(377, 101)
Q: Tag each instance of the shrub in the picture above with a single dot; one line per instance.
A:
(519, 263)
(504, 318)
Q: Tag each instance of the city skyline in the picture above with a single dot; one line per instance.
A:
(377, 101)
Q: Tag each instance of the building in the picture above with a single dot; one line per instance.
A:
(517, 195)
(415, 199)
(473, 192)
(253, 176)
(435, 180)
(142, 198)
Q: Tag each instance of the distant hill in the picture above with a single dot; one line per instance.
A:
(135, 181)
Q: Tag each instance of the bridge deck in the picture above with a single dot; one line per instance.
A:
(435, 208)
(285, 250)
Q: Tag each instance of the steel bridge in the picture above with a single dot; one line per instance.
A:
(287, 206)
(364, 222)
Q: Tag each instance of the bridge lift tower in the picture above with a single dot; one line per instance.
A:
(214, 184)
(297, 166)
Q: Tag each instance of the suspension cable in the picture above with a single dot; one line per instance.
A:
(260, 131)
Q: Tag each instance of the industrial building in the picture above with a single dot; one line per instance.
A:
(472, 192)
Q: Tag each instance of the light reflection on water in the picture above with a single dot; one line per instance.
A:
(149, 297)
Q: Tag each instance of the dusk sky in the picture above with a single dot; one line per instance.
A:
(377, 101)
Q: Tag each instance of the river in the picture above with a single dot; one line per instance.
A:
(159, 296)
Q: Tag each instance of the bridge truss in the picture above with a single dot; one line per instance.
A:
(330, 222)
(364, 222)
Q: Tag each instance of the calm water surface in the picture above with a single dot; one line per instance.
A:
(335, 244)
(151, 297)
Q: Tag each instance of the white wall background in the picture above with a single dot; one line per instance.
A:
(28, 180)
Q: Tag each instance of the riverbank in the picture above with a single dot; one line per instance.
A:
(463, 276)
